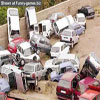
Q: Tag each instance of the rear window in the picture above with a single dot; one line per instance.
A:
(67, 33)
(83, 99)
(64, 83)
(55, 49)
(95, 57)
(13, 13)
(28, 68)
(90, 10)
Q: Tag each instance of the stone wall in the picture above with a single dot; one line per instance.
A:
(67, 7)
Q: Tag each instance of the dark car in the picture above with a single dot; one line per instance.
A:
(88, 11)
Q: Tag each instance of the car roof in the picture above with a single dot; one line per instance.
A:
(58, 44)
(32, 63)
(68, 76)
(89, 94)
(67, 56)
(80, 15)
(65, 64)
(18, 40)
(60, 21)
(15, 23)
(71, 30)
(87, 81)
(25, 45)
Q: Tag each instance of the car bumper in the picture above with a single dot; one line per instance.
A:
(63, 96)
(68, 42)
(92, 16)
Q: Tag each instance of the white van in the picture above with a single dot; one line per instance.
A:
(45, 28)
(59, 48)
(60, 25)
(31, 21)
(70, 19)
(13, 23)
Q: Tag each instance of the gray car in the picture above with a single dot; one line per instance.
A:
(41, 43)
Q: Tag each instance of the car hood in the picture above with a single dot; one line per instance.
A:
(48, 63)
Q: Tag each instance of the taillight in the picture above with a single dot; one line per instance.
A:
(70, 39)
(52, 21)
(33, 75)
(35, 45)
(58, 89)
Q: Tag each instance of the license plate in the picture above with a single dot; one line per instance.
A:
(63, 91)
(66, 37)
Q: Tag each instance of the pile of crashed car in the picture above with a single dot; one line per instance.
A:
(21, 67)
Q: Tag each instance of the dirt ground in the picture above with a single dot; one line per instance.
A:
(89, 42)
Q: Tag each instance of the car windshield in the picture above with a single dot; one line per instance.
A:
(56, 27)
(73, 62)
(81, 19)
(12, 45)
(55, 49)
(64, 83)
(95, 57)
(28, 52)
(15, 32)
(67, 33)
(82, 88)
(76, 27)
(56, 61)
(90, 10)
(13, 13)
(83, 98)
(29, 68)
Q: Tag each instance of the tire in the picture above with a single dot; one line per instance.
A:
(17, 56)
(85, 26)
(22, 62)
(49, 70)
(36, 81)
(72, 45)
(34, 58)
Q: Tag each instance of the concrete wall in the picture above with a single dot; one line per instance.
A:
(67, 7)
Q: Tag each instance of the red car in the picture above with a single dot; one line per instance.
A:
(12, 46)
(90, 95)
(3, 96)
(71, 87)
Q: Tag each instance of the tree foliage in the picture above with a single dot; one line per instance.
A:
(45, 4)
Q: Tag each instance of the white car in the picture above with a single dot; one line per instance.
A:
(25, 51)
(34, 70)
(13, 23)
(80, 18)
(53, 64)
(69, 36)
(71, 57)
(31, 21)
(94, 59)
(58, 48)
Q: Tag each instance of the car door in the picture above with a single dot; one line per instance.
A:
(38, 71)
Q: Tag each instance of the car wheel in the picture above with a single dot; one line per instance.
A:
(17, 56)
(36, 81)
(72, 45)
(22, 62)
(83, 32)
(55, 80)
(85, 26)
(35, 58)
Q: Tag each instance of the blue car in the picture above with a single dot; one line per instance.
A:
(78, 28)
(63, 67)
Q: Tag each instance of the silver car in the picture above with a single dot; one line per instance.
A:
(41, 43)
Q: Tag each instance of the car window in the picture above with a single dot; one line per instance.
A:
(42, 41)
(36, 28)
(95, 98)
(56, 27)
(98, 97)
(77, 27)
(44, 27)
(9, 21)
(55, 49)
(29, 68)
(38, 68)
